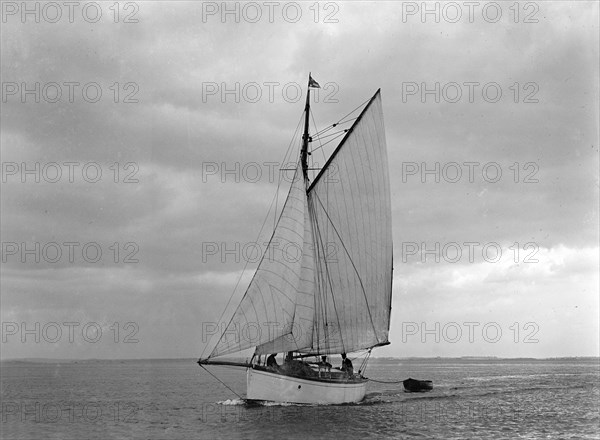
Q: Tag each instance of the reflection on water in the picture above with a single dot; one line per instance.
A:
(160, 399)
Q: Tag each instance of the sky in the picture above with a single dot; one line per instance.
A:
(142, 147)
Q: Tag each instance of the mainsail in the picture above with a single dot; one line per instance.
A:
(324, 283)
(351, 207)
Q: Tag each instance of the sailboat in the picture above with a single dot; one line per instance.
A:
(316, 303)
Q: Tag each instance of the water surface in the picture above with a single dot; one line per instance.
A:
(175, 399)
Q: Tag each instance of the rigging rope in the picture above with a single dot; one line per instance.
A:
(385, 381)
(222, 383)
(353, 265)
(326, 282)
(314, 137)
(341, 121)
(363, 366)
(327, 135)
(287, 153)
(319, 133)
(328, 142)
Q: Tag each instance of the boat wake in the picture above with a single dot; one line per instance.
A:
(371, 399)
(240, 402)
(232, 402)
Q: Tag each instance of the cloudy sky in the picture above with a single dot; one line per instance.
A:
(492, 128)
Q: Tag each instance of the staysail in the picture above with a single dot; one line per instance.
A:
(324, 283)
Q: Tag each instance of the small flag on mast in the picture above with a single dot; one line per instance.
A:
(313, 83)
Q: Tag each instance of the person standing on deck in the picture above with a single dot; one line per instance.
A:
(272, 362)
(347, 365)
(324, 363)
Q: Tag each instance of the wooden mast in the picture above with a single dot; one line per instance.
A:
(305, 138)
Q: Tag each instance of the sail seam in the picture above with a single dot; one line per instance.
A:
(354, 266)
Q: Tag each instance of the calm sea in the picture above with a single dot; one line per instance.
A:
(175, 399)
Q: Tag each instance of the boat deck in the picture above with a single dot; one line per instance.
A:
(313, 373)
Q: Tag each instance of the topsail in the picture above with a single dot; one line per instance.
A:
(324, 283)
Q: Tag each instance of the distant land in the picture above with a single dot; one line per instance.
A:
(373, 359)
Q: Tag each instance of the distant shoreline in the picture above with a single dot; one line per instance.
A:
(373, 359)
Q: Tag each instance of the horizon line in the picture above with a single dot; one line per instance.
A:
(41, 359)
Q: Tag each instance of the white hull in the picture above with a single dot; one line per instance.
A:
(264, 385)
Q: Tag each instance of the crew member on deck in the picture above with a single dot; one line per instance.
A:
(324, 363)
(347, 365)
(293, 367)
(272, 362)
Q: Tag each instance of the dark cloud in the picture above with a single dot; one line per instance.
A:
(182, 139)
